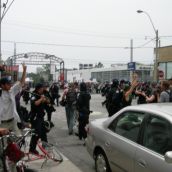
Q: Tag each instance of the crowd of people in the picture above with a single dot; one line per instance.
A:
(77, 106)
(120, 94)
(76, 101)
(15, 117)
(42, 100)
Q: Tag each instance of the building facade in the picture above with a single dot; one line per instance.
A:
(165, 62)
(118, 71)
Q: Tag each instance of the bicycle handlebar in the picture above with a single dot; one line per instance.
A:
(12, 135)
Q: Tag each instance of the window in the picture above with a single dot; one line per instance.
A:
(169, 70)
(128, 125)
(157, 135)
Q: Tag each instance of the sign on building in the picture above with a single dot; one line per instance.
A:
(132, 66)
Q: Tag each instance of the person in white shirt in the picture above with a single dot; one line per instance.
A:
(8, 113)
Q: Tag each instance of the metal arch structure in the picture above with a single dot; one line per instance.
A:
(36, 58)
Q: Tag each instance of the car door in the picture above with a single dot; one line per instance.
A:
(122, 141)
(156, 141)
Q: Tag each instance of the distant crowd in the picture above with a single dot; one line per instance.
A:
(75, 98)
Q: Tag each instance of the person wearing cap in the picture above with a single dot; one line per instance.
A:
(38, 101)
(114, 98)
(9, 117)
(8, 113)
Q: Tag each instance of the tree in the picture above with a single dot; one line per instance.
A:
(46, 69)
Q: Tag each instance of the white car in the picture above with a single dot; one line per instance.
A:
(136, 139)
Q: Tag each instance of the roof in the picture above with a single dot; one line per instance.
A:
(165, 108)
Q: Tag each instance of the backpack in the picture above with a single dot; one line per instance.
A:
(71, 98)
(13, 152)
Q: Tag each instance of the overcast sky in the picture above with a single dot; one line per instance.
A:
(87, 31)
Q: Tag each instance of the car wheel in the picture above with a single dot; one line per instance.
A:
(101, 162)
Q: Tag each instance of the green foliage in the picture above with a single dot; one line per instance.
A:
(36, 77)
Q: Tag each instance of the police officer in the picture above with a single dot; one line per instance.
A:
(83, 105)
(37, 117)
(114, 98)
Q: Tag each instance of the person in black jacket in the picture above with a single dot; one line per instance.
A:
(83, 105)
(54, 91)
(114, 98)
(38, 101)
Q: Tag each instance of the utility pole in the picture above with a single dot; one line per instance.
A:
(0, 32)
(13, 64)
(131, 47)
(131, 58)
(2, 14)
(14, 61)
(156, 75)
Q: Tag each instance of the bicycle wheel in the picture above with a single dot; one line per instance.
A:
(50, 151)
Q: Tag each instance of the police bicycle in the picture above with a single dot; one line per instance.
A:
(17, 152)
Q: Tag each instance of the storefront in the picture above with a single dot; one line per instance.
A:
(165, 62)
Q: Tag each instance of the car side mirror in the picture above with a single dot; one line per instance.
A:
(168, 157)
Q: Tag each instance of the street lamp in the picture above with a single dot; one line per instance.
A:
(156, 48)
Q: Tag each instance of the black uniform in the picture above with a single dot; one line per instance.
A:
(37, 121)
(83, 105)
(54, 90)
(114, 98)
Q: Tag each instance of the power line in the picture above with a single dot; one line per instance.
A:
(71, 45)
(141, 46)
(81, 33)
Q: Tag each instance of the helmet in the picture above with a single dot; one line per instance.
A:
(115, 82)
(83, 86)
(47, 126)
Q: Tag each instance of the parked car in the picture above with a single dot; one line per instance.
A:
(136, 139)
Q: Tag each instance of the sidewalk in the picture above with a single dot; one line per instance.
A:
(51, 166)
(60, 128)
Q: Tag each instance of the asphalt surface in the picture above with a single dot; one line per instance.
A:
(75, 155)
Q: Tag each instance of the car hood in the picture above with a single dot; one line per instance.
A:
(99, 121)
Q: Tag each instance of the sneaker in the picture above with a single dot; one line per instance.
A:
(34, 152)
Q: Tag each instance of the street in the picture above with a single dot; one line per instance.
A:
(71, 146)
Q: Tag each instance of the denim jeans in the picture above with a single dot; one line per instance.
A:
(70, 116)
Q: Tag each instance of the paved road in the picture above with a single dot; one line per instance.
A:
(71, 146)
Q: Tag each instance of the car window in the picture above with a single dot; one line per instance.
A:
(157, 135)
(128, 125)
